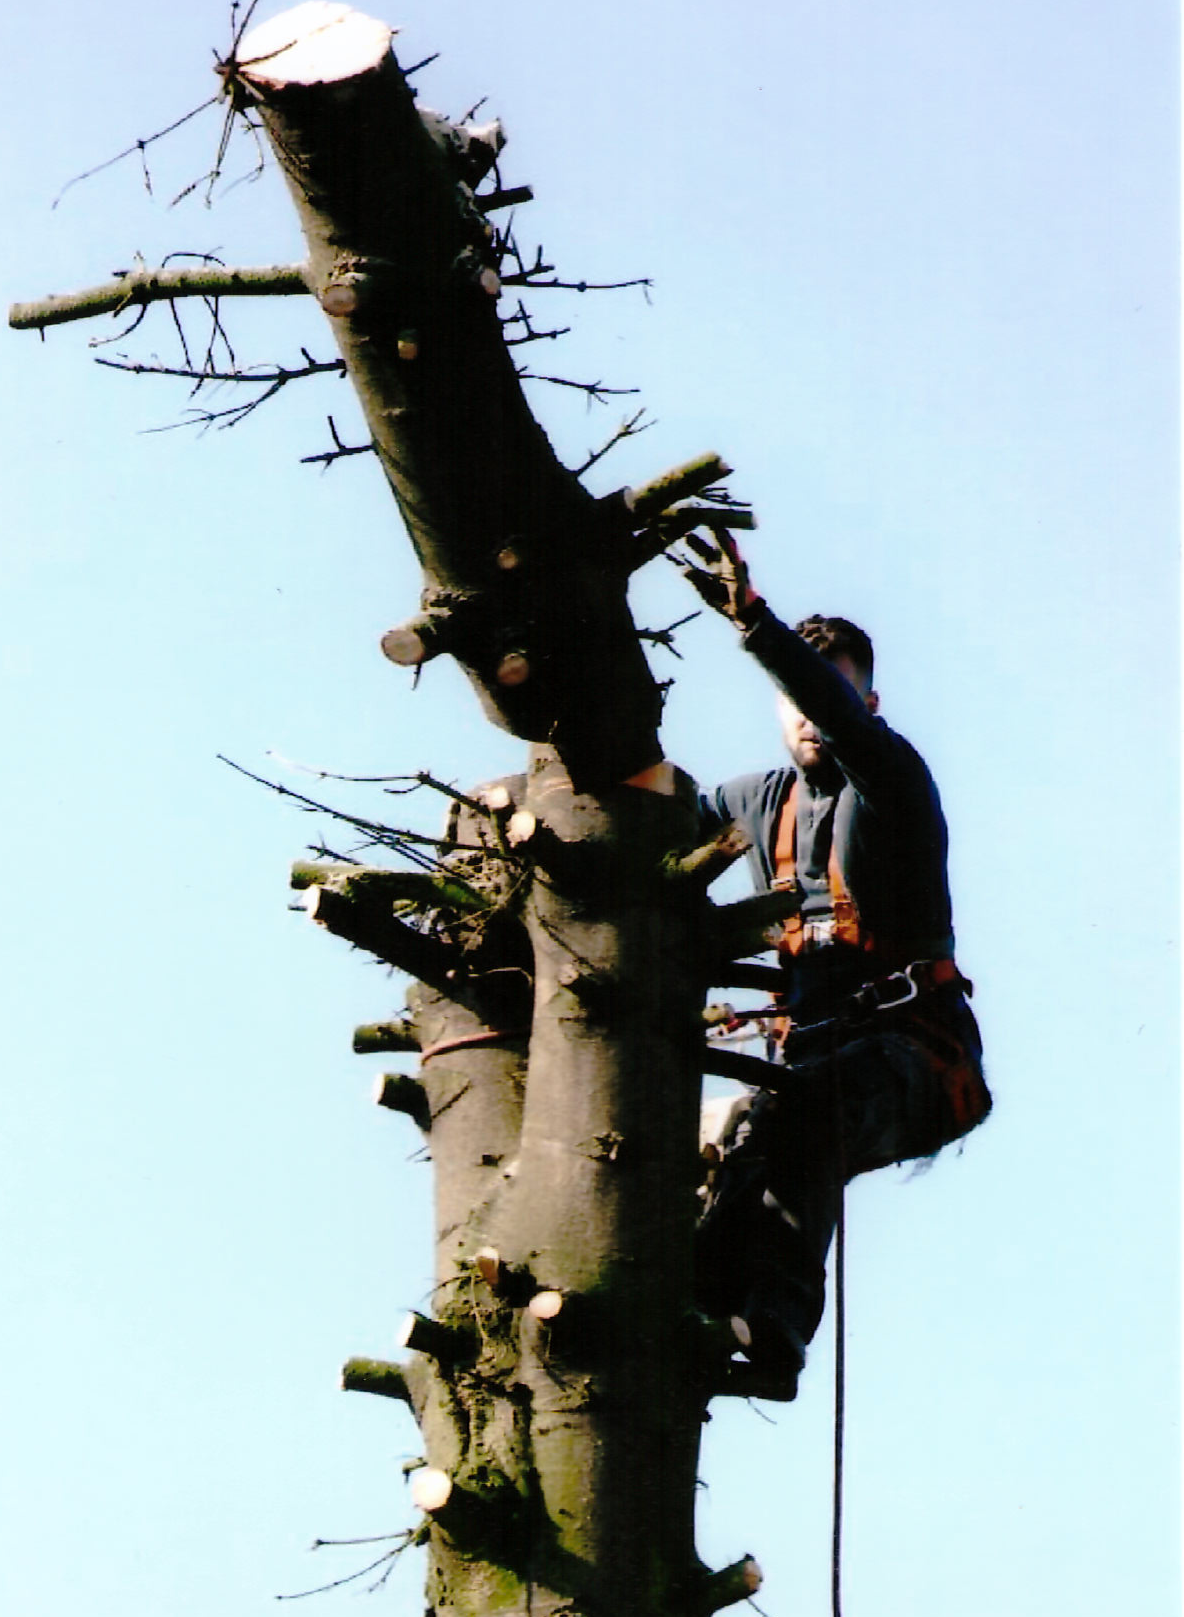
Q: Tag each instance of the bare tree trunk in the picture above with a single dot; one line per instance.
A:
(525, 572)
(562, 1374)
(559, 1383)
(561, 1380)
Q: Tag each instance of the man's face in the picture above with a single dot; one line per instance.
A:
(806, 746)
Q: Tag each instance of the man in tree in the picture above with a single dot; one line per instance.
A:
(878, 1052)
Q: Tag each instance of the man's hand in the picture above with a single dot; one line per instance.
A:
(722, 580)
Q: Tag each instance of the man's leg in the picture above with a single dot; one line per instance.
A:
(869, 1100)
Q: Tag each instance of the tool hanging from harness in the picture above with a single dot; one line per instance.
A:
(902, 992)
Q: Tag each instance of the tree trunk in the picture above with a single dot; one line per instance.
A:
(561, 1380)
(525, 572)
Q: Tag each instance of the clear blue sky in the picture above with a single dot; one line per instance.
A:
(915, 275)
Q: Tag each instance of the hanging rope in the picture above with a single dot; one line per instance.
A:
(836, 1550)
(836, 1542)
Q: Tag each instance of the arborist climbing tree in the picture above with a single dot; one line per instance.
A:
(879, 1054)
(560, 935)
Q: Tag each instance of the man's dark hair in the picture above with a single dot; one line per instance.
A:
(836, 637)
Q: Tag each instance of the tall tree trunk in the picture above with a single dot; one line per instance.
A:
(525, 572)
(561, 1380)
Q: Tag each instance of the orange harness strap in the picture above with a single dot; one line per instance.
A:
(847, 928)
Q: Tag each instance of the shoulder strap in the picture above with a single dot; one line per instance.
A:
(785, 874)
(785, 840)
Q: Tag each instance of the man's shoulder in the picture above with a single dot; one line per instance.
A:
(747, 795)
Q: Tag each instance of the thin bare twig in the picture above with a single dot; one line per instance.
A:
(417, 782)
(352, 1577)
(627, 429)
(596, 391)
(422, 778)
(406, 843)
(278, 375)
(665, 637)
(521, 317)
(340, 1543)
(272, 381)
(555, 285)
(339, 451)
(129, 151)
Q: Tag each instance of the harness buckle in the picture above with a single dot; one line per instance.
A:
(912, 988)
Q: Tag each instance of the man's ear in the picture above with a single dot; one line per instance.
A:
(872, 701)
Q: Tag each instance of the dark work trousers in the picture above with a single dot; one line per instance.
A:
(890, 1089)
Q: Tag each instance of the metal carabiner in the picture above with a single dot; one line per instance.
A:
(911, 992)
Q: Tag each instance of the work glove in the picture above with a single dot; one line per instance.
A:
(722, 580)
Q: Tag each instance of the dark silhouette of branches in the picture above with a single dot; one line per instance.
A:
(521, 317)
(627, 429)
(272, 380)
(541, 274)
(409, 844)
(387, 1559)
(227, 69)
(138, 146)
(665, 637)
(596, 391)
(396, 785)
(340, 450)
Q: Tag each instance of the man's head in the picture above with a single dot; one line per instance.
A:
(849, 652)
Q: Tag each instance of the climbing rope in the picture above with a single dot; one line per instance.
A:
(836, 1547)
(836, 1542)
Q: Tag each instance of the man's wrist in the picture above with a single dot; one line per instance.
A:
(752, 611)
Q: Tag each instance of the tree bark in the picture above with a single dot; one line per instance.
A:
(561, 1382)
(135, 288)
(406, 262)
(563, 953)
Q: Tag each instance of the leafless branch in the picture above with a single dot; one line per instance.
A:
(627, 429)
(406, 843)
(344, 1543)
(554, 284)
(398, 785)
(352, 1577)
(665, 637)
(278, 375)
(118, 336)
(272, 381)
(339, 451)
(422, 779)
(506, 246)
(719, 494)
(536, 274)
(139, 146)
(521, 317)
(131, 288)
(595, 390)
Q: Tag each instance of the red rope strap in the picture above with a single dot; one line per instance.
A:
(487, 1035)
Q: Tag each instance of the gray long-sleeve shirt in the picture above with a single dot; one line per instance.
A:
(879, 808)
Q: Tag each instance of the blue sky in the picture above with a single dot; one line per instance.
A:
(915, 277)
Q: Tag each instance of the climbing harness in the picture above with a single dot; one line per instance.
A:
(886, 993)
(844, 925)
